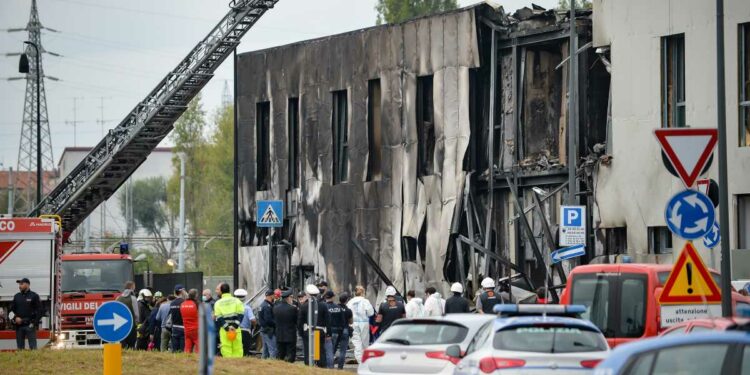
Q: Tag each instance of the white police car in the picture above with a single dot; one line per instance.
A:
(533, 339)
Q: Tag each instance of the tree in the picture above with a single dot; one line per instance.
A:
(394, 11)
(580, 4)
(151, 213)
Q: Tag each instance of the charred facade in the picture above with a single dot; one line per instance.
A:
(379, 142)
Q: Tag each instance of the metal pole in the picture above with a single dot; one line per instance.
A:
(491, 152)
(181, 249)
(38, 126)
(270, 259)
(235, 185)
(572, 96)
(726, 265)
(310, 333)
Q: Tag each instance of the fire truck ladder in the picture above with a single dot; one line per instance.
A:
(126, 146)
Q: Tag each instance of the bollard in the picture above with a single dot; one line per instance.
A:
(113, 359)
(316, 345)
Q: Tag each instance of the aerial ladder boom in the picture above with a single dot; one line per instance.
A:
(126, 146)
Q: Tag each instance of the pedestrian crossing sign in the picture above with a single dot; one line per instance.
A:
(270, 214)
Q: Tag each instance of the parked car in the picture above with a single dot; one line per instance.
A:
(533, 339)
(725, 353)
(418, 345)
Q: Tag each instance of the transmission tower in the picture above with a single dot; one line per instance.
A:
(226, 96)
(27, 161)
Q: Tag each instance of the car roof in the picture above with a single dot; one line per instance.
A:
(520, 321)
(622, 354)
(718, 323)
(468, 320)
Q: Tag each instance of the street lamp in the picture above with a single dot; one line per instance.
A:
(23, 67)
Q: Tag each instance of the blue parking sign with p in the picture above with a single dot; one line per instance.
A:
(573, 216)
(572, 225)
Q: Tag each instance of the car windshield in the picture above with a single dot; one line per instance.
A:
(95, 275)
(549, 339)
(614, 303)
(424, 333)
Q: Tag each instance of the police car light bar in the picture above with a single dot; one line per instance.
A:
(557, 310)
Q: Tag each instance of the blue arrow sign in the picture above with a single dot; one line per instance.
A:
(568, 253)
(690, 214)
(113, 321)
(713, 237)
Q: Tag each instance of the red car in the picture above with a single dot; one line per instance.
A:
(702, 325)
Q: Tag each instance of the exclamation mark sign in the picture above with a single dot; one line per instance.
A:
(689, 269)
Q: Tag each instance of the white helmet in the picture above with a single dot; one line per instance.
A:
(145, 293)
(390, 291)
(312, 290)
(240, 293)
(457, 288)
(488, 282)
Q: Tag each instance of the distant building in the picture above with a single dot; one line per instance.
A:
(108, 222)
(23, 182)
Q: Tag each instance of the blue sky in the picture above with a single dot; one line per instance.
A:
(119, 50)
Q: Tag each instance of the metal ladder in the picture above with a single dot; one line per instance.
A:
(126, 146)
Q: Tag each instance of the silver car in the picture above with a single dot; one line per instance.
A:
(417, 346)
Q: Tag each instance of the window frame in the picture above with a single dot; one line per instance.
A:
(374, 130)
(294, 174)
(673, 92)
(340, 132)
(425, 126)
(660, 240)
(743, 100)
(263, 146)
(743, 221)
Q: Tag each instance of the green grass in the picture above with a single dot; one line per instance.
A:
(79, 362)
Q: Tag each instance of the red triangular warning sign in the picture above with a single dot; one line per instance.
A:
(688, 150)
(690, 282)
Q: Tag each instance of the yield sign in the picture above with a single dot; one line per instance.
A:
(690, 282)
(688, 150)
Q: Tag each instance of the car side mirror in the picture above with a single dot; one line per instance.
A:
(453, 351)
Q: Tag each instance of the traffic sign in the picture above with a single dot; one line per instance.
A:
(113, 321)
(713, 237)
(270, 214)
(572, 225)
(568, 253)
(690, 282)
(690, 214)
(688, 150)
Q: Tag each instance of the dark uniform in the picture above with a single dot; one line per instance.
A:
(142, 325)
(27, 306)
(321, 321)
(456, 304)
(177, 342)
(286, 329)
(390, 314)
(489, 299)
(340, 316)
(267, 329)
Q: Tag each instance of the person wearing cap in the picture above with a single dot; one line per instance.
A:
(268, 326)
(145, 299)
(229, 311)
(456, 303)
(246, 325)
(362, 310)
(390, 311)
(285, 314)
(320, 318)
(323, 288)
(27, 308)
(488, 299)
(129, 299)
(177, 340)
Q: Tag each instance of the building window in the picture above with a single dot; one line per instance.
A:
(374, 132)
(659, 240)
(673, 81)
(744, 65)
(616, 240)
(293, 138)
(262, 149)
(743, 221)
(425, 127)
(340, 129)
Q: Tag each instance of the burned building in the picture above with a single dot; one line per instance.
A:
(379, 142)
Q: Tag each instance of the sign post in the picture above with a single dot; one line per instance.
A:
(113, 323)
(270, 214)
(572, 225)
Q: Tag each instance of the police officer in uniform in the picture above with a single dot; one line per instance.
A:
(488, 299)
(456, 303)
(285, 314)
(320, 319)
(390, 311)
(27, 308)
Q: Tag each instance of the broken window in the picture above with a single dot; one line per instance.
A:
(262, 149)
(616, 240)
(293, 138)
(673, 81)
(659, 240)
(425, 127)
(340, 128)
(542, 103)
(743, 221)
(744, 65)
(374, 132)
